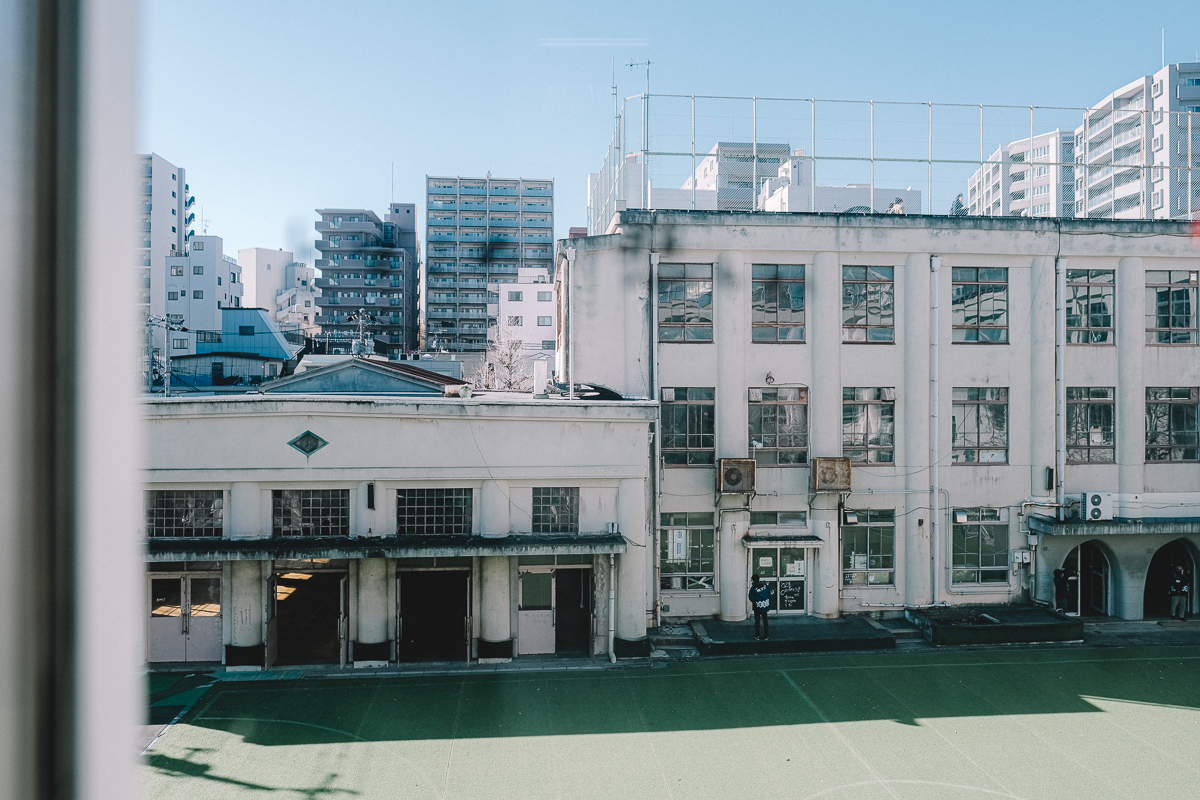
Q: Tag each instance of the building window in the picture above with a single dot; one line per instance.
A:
(198, 294)
(545, 322)
(515, 322)
(777, 302)
(980, 425)
(779, 518)
(310, 512)
(556, 509)
(184, 513)
(779, 426)
(547, 344)
(544, 297)
(433, 512)
(515, 297)
(1171, 429)
(688, 425)
(197, 246)
(179, 344)
(869, 549)
(1171, 307)
(177, 271)
(685, 302)
(172, 295)
(868, 304)
(980, 547)
(198, 269)
(245, 330)
(1091, 300)
(869, 425)
(1091, 432)
(687, 552)
(979, 304)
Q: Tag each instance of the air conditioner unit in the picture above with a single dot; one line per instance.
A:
(831, 474)
(1096, 506)
(735, 475)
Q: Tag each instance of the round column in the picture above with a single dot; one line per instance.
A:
(825, 422)
(631, 638)
(372, 647)
(495, 638)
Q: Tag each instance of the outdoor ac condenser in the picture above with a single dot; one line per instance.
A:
(1096, 506)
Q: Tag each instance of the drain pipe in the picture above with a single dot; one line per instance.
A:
(570, 323)
(935, 527)
(612, 608)
(1060, 388)
(656, 467)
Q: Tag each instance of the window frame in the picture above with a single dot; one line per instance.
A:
(687, 288)
(765, 287)
(766, 455)
(1155, 334)
(450, 514)
(549, 499)
(1084, 401)
(958, 281)
(705, 449)
(158, 506)
(1175, 397)
(1085, 331)
(861, 300)
(1001, 400)
(878, 529)
(696, 526)
(311, 500)
(986, 521)
(885, 400)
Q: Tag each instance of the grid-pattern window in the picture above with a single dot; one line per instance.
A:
(1091, 424)
(980, 547)
(779, 518)
(979, 304)
(433, 512)
(310, 512)
(1171, 307)
(779, 426)
(184, 513)
(689, 426)
(980, 425)
(777, 302)
(685, 302)
(556, 509)
(687, 552)
(1171, 423)
(868, 304)
(869, 549)
(1091, 301)
(869, 425)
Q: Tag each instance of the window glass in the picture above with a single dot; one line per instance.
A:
(979, 304)
(979, 548)
(687, 552)
(1091, 301)
(1171, 423)
(433, 512)
(869, 549)
(310, 512)
(979, 425)
(869, 425)
(688, 426)
(685, 303)
(1091, 431)
(777, 302)
(1171, 307)
(184, 513)
(868, 304)
(778, 419)
(556, 509)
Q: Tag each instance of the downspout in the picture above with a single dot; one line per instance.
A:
(656, 476)
(570, 324)
(935, 527)
(1060, 388)
(612, 608)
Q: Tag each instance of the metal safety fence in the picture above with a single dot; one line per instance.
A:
(1125, 159)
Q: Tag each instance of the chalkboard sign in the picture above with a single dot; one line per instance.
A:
(791, 595)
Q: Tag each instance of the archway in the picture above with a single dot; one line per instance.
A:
(1156, 600)
(1088, 580)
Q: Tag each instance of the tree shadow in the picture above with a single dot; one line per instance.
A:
(190, 768)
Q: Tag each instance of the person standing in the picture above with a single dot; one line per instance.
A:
(1061, 590)
(1180, 588)
(957, 209)
(760, 601)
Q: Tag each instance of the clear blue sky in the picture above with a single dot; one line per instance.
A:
(278, 108)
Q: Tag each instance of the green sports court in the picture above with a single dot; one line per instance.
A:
(1003, 723)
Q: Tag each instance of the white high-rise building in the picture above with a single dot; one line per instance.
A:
(284, 287)
(1020, 180)
(165, 207)
(201, 283)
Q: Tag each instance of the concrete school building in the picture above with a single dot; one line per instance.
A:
(981, 376)
(363, 513)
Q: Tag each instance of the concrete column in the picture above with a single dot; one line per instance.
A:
(246, 615)
(371, 647)
(244, 515)
(1131, 388)
(825, 421)
(734, 524)
(494, 514)
(731, 299)
(495, 636)
(1043, 405)
(914, 559)
(631, 570)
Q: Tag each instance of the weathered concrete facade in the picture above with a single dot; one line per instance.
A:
(611, 292)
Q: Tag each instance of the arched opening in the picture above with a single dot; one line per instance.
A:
(1157, 599)
(1087, 575)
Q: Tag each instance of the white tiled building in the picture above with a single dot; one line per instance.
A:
(201, 283)
(1020, 180)
(283, 286)
(525, 310)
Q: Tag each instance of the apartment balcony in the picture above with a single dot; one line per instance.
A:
(440, 268)
(503, 191)
(472, 190)
(506, 252)
(544, 208)
(439, 190)
(536, 238)
(442, 237)
(537, 223)
(502, 269)
(470, 237)
(503, 237)
(472, 205)
(442, 205)
(476, 222)
(504, 223)
(533, 191)
(324, 225)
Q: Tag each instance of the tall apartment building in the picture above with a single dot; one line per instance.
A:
(1022, 179)
(198, 285)
(1131, 139)
(479, 231)
(284, 287)
(369, 265)
(165, 214)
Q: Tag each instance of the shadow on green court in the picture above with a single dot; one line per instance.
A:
(701, 696)
(188, 768)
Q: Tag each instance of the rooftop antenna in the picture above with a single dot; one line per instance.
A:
(393, 184)
(1164, 47)
(614, 87)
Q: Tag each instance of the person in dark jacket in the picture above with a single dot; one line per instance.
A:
(1062, 588)
(760, 601)
(1180, 589)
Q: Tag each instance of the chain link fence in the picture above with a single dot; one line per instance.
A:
(696, 152)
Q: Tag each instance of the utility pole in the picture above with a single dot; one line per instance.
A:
(155, 321)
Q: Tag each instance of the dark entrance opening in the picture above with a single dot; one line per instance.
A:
(1087, 572)
(307, 608)
(433, 615)
(1156, 602)
(573, 607)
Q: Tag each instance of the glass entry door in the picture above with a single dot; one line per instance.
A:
(784, 570)
(185, 618)
(535, 614)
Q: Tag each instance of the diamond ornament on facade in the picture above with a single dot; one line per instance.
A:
(308, 443)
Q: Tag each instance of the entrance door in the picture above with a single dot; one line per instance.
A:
(434, 615)
(344, 620)
(203, 619)
(168, 642)
(573, 611)
(1086, 570)
(783, 569)
(535, 615)
(1156, 596)
(309, 613)
(185, 618)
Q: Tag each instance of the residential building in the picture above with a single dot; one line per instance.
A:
(792, 190)
(479, 231)
(200, 283)
(732, 170)
(369, 266)
(248, 347)
(166, 212)
(281, 527)
(276, 281)
(1135, 142)
(1021, 179)
(783, 339)
(525, 311)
